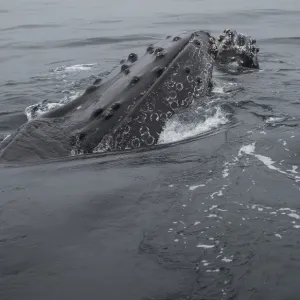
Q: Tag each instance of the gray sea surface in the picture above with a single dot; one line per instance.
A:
(212, 213)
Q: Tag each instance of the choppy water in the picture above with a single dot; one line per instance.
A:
(214, 215)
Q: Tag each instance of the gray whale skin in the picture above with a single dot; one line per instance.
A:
(129, 110)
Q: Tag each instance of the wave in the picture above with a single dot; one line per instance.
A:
(177, 130)
(74, 68)
(93, 41)
(293, 40)
(104, 41)
(30, 26)
(269, 12)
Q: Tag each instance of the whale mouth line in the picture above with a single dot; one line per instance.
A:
(114, 154)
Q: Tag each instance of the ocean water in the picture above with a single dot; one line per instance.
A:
(212, 212)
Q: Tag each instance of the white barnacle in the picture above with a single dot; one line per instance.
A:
(154, 116)
(144, 130)
(187, 101)
(148, 139)
(126, 129)
(179, 86)
(170, 83)
(150, 104)
(135, 142)
(174, 104)
(173, 95)
(190, 79)
(119, 138)
(141, 118)
(169, 114)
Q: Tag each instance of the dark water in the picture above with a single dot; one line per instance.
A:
(213, 215)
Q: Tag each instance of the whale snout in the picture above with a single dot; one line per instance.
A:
(234, 47)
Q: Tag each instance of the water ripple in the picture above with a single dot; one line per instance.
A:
(30, 26)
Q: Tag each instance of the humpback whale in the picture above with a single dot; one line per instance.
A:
(130, 109)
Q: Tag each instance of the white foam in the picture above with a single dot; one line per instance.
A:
(278, 235)
(213, 207)
(212, 216)
(248, 149)
(227, 260)
(274, 119)
(6, 137)
(175, 130)
(36, 110)
(193, 187)
(267, 161)
(74, 96)
(225, 172)
(286, 209)
(74, 68)
(293, 170)
(225, 88)
(213, 271)
(294, 215)
(205, 263)
(219, 193)
(205, 246)
(297, 226)
(218, 90)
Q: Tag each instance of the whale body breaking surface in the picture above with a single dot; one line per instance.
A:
(130, 109)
